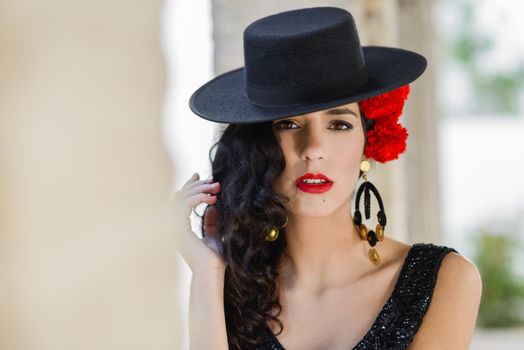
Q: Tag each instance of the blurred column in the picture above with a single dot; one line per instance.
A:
(86, 252)
(422, 170)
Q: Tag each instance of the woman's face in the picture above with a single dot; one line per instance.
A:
(330, 142)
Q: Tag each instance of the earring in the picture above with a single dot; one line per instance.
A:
(371, 236)
(273, 233)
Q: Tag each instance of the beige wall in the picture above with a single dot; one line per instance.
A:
(86, 250)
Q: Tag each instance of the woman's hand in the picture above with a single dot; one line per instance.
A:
(202, 255)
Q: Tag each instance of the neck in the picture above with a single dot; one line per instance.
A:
(322, 252)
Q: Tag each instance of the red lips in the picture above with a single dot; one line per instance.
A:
(314, 176)
(311, 187)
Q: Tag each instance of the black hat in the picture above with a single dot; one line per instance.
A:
(302, 61)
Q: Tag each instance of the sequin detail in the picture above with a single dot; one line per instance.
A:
(401, 316)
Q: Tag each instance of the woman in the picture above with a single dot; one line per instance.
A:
(284, 262)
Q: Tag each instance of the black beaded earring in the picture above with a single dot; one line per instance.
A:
(371, 236)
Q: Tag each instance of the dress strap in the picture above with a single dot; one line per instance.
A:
(402, 315)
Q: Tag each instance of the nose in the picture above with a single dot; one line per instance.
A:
(312, 144)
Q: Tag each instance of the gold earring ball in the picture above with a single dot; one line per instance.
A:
(272, 235)
(365, 165)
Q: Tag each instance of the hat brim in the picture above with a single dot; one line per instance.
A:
(223, 98)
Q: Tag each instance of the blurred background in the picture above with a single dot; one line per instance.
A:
(96, 133)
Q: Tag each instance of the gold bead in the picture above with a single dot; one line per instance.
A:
(380, 232)
(364, 165)
(363, 232)
(272, 234)
(373, 256)
(235, 227)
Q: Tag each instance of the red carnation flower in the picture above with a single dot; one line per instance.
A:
(386, 141)
(389, 104)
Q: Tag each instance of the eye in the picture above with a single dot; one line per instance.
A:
(346, 126)
(343, 126)
(278, 125)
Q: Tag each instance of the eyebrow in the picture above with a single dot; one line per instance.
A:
(338, 111)
(333, 111)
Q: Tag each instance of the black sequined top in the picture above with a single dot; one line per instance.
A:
(401, 316)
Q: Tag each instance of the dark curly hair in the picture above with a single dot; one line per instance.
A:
(247, 162)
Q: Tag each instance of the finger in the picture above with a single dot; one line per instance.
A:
(182, 202)
(193, 178)
(208, 189)
(192, 184)
(176, 195)
(188, 185)
(213, 188)
(185, 209)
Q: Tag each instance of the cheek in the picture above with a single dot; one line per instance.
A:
(283, 181)
(347, 155)
(348, 150)
(286, 180)
(348, 167)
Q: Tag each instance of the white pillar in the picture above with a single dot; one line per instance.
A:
(421, 178)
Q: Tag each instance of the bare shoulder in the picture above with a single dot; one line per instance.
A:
(394, 251)
(451, 316)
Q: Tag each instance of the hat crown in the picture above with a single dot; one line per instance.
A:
(302, 56)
